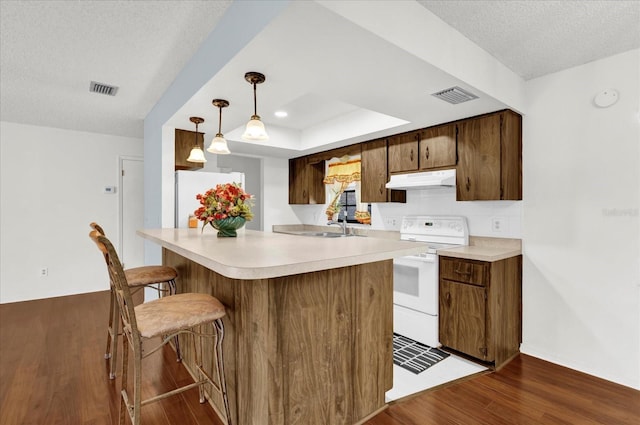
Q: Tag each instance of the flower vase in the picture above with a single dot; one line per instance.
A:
(227, 226)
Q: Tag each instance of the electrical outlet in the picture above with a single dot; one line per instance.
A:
(498, 224)
(391, 221)
(44, 271)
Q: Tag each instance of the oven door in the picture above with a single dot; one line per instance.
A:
(415, 283)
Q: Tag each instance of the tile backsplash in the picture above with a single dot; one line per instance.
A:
(498, 219)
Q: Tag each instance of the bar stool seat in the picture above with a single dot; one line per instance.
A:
(149, 275)
(167, 315)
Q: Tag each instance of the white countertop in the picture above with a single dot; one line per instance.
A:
(263, 255)
(485, 249)
(482, 253)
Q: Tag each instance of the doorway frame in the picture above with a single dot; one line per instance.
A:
(121, 159)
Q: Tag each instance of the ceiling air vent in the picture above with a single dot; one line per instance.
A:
(455, 95)
(103, 88)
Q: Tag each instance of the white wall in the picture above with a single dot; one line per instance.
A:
(52, 183)
(580, 225)
(440, 201)
(275, 189)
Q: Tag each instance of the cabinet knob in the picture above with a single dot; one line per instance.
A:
(411, 155)
(427, 152)
(468, 185)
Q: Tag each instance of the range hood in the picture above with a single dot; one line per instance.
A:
(426, 180)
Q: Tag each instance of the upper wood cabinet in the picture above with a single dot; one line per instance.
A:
(305, 181)
(375, 174)
(438, 147)
(298, 190)
(184, 142)
(490, 158)
(374, 171)
(403, 152)
(485, 150)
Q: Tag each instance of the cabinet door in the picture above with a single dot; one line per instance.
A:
(374, 171)
(305, 181)
(314, 183)
(298, 192)
(184, 142)
(438, 147)
(463, 318)
(479, 170)
(511, 156)
(403, 152)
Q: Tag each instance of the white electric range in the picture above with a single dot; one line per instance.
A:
(415, 278)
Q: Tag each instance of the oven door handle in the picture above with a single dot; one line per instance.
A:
(411, 261)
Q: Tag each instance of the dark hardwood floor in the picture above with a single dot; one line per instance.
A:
(52, 371)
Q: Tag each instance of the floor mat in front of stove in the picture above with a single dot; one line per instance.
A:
(415, 356)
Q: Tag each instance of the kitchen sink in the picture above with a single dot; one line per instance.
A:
(326, 234)
(320, 234)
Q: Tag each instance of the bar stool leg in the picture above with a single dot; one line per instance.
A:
(124, 410)
(108, 350)
(176, 340)
(114, 344)
(219, 327)
(197, 341)
(112, 335)
(137, 385)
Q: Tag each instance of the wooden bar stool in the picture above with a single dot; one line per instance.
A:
(168, 316)
(137, 278)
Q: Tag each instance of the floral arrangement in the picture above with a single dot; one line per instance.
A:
(224, 201)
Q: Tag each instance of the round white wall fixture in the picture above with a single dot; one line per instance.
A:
(606, 98)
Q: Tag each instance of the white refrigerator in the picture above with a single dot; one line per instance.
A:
(190, 183)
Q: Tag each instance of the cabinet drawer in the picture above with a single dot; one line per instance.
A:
(467, 271)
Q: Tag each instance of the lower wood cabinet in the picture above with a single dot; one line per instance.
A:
(480, 307)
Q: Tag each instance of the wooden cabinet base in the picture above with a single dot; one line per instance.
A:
(313, 348)
(481, 308)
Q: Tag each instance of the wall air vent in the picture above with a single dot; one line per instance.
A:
(455, 95)
(101, 88)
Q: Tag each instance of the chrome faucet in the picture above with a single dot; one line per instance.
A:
(343, 224)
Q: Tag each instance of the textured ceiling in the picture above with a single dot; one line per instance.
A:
(535, 38)
(51, 50)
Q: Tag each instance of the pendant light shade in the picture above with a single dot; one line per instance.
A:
(255, 128)
(196, 155)
(219, 144)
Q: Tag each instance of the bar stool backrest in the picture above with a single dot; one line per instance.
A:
(96, 226)
(119, 282)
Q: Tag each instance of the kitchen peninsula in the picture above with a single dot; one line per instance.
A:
(308, 331)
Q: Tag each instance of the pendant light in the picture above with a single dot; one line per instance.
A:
(255, 128)
(219, 144)
(196, 155)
